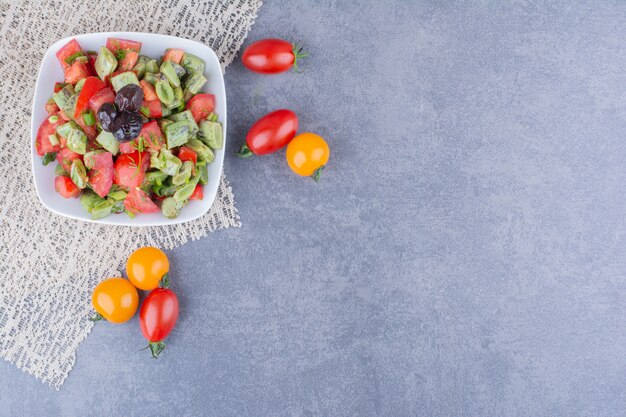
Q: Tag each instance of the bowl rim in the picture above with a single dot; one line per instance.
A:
(52, 49)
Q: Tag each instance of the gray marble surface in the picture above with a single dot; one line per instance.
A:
(464, 254)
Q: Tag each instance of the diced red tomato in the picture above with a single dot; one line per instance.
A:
(201, 105)
(100, 172)
(42, 142)
(91, 64)
(152, 135)
(126, 59)
(174, 55)
(66, 51)
(149, 92)
(130, 169)
(106, 95)
(137, 201)
(65, 187)
(154, 107)
(90, 88)
(187, 154)
(115, 44)
(128, 147)
(58, 87)
(198, 193)
(65, 158)
(90, 131)
(51, 107)
(76, 72)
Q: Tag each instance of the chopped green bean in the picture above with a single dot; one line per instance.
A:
(54, 140)
(185, 191)
(105, 63)
(78, 173)
(164, 92)
(184, 174)
(171, 208)
(194, 82)
(79, 85)
(192, 63)
(167, 69)
(177, 133)
(89, 119)
(108, 142)
(123, 79)
(211, 134)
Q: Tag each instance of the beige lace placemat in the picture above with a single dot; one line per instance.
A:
(49, 264)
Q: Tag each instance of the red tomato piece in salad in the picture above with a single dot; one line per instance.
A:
(90, 88)
(174, 55)
(187, 154)
(65, 187)
(128, 147)
(201, 105)
(76, 72)
(126, 59)
(42, 142)
(51, 107)
(58, 87)
(154, 108)
(198, 193)
(91, 63)
(130, 169)
(115, 44)
(71, 48)
(65, 158)
(100, 172)
(149, 92)
(152, 135)
(106, 95)
(90, 131)
(137, 201)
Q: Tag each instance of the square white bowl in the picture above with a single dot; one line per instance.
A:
(153, 46)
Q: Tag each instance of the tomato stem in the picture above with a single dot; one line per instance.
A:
(298, 53)
(96, 317)
(317, 173)
(155, 348)
(165, 281)
(244, 151)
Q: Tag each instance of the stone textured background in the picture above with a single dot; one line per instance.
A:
(464, 254)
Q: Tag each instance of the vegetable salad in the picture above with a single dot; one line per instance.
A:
(129, 133)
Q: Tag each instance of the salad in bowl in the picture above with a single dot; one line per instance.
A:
(129, 133)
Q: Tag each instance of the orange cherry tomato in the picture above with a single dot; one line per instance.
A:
(307, 155)
(146, 267)
(115, 299)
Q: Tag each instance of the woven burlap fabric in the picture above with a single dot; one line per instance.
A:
(50, 264)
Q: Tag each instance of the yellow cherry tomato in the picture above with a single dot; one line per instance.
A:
(307, 154)
(146, 266)
(115, 299)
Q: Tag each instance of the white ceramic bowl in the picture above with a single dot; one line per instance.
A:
(153, 46)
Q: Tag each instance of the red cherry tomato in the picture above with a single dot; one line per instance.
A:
(270, 133)
(272, 56)
(157, 318)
